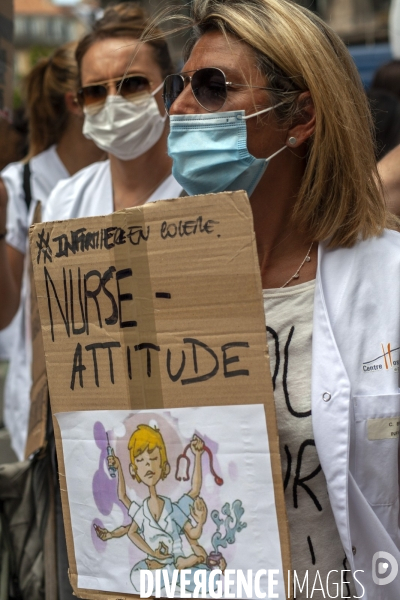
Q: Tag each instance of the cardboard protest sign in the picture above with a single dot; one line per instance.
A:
(153, 325)
(6, 57)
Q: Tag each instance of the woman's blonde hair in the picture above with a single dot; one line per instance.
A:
(46, 85)
(340, 198)
(147, 438)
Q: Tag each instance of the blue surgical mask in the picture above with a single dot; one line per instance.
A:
(210, 152)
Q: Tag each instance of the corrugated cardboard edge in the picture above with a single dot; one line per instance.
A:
(39, 393)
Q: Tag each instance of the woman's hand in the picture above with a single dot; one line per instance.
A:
(102, 533)
(113, 461)
(197, 445)
(161, 552)
(199, 511)
(222, 564)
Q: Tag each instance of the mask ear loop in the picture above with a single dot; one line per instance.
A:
(265, 110)
(153, 93)
(260, 112)
(276, 153)
(158, 88)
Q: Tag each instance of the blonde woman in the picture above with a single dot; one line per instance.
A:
(269, 101)
(57, 149)
(159, 523)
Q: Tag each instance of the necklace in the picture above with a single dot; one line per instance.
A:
(297, 274)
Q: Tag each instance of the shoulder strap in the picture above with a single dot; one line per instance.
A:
(27, 184)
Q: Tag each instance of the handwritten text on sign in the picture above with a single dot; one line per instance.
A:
(149, 300)
(82, 240)
(79, 289)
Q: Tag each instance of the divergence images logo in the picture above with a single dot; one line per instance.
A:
(389, 359)
(381, 574)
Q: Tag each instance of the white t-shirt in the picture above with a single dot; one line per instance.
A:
(88, 193)
(46, 171)
(314, 538)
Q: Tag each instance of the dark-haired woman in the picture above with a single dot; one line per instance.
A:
(120, 92)
(57, 149)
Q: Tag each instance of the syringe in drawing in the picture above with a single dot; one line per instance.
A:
(110, 452)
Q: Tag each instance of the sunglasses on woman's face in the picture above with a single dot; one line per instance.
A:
(127, 86)
(209, 87)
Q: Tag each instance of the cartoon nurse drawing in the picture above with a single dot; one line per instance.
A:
(159, 524)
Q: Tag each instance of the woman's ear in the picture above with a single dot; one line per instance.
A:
(133, 473)
(72, 104)
(166, 470)
(304, 121)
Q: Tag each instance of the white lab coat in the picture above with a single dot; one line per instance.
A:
(354, 383)
(90, 193)
(47, 170)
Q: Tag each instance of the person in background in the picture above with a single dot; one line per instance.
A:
(385, 110)
(387, 81)
(57, 150)
(120, 93)
(389, 171)
(271, 100)
(13, 147)
(387, 78)
(13, 138)
(384, 98)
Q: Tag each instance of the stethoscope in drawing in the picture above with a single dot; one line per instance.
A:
(218, 480)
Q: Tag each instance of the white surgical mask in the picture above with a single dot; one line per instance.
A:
(125, 128)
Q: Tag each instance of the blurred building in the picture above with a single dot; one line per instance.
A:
(41, 26)
(356, 21)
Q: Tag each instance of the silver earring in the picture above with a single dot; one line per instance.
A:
(292, 141)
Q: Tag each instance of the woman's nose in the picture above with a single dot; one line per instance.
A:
(186, 104)
(112, 89)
